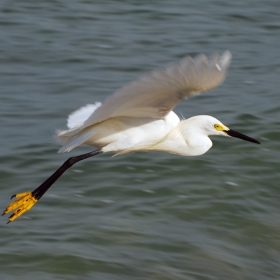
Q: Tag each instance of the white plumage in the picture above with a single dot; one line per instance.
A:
(139, 116)
(77, 118)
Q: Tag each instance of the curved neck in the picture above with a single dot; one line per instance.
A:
(184, 140)
(196, 138)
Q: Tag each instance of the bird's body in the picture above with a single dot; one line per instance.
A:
(122, 134)
(139, 117)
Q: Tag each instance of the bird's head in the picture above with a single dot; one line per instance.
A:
(212, 126)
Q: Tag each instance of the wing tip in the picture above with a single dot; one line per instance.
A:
(221, 62)
(225, 59)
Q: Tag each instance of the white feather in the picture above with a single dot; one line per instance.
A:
(78, 117)
(155, 95)
(75, 141)
(147, 100)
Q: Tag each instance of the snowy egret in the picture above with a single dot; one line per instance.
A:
(139, 117)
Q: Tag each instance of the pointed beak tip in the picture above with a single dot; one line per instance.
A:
(236, 134)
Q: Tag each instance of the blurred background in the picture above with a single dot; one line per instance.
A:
(142, 215)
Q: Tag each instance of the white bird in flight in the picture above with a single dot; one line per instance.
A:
(139, 117)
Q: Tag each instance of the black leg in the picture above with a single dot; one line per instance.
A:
(28, 199)
(38, 193)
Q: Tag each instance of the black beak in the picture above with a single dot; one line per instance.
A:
(236, 134)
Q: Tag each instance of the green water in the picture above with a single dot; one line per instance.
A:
(142, 215)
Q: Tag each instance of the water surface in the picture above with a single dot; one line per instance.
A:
(142, 215)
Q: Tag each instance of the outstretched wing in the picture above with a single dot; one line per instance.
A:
(155, 95)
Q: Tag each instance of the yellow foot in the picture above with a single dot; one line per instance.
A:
(26, 201)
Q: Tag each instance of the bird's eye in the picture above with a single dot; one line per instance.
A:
(218, 127)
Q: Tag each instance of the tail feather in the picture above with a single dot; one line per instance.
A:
(72, 141)
(76, 134)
